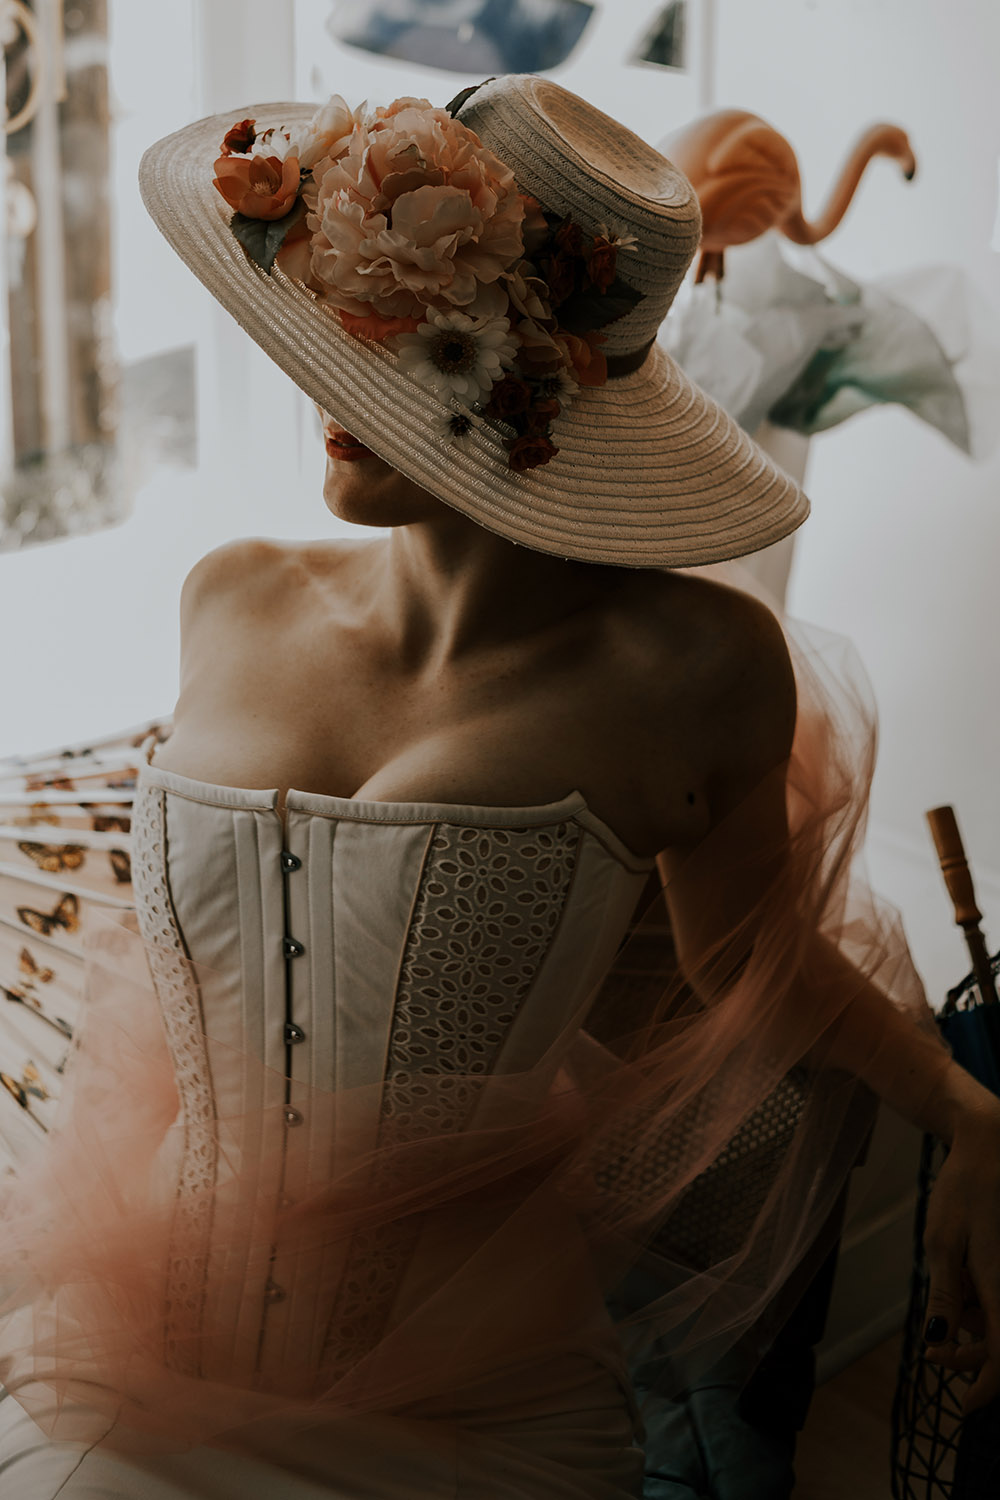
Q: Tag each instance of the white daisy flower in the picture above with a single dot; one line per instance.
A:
(558, 384)
(457, 357)
(275, 142)
(458, 425)
(617, 236)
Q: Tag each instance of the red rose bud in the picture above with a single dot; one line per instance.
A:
(509, 398)
(602, 266)
(560, 277)
(540, 417)
(240, 139)
(530, 452)
(568, 238)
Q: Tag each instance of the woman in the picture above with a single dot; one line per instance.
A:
(388, 1138)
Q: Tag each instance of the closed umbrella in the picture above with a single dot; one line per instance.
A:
(936, 1454)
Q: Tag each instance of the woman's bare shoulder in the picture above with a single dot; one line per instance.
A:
(257, 573)
(727, 628)
(722, 653)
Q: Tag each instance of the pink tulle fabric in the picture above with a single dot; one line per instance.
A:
(686, 1124)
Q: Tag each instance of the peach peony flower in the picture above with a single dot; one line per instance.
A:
(261, 187)
(528, 294)
(540, 352)
(415, 215)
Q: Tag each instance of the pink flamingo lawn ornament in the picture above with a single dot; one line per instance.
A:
(747, 180)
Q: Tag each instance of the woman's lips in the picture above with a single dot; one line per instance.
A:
(342, 445)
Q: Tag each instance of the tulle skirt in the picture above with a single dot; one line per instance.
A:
(564, 1430)
(685, 1124)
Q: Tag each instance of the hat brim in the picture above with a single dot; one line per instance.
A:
(650, 471)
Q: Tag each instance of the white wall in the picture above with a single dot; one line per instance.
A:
(902, 552)
(88, 625)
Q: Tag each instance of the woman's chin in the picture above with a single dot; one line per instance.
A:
(366, 491)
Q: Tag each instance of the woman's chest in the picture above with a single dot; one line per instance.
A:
(515, 729)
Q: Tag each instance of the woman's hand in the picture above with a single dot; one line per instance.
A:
(962, 1244)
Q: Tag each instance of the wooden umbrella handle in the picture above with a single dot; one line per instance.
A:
(958, 879)
(954, 866)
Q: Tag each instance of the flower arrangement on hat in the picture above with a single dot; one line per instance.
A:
(402, 223)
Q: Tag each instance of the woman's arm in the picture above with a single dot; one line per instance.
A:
(713, 893)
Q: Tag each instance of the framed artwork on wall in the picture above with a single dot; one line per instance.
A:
(644, 61)
(58, 470)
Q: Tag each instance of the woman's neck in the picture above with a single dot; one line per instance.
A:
(446, 589)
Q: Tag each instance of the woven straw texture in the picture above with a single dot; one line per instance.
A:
(650, 472)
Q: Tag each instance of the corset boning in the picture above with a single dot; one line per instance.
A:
(355, 949)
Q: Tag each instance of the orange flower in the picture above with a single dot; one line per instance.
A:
(603, 263)
(589, 364)
(261, 187)
(374, 327)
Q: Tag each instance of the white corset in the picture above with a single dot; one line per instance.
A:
(356, 943)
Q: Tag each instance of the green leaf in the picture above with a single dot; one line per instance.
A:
(588, 310)
(456, 104)
(263, 238)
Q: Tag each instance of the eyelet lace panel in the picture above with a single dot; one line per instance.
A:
(716, 1212)
(487, 910)
(180, 1003)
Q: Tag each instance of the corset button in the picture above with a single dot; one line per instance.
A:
(273, 1292)
(293, 1034)
(292, 948)
(290, 862)
(292, 1115)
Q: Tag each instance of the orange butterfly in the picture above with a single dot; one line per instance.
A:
(109, 822)
(40, 812)
(43, 783)
(25, 997)
(31, 970)
(52, 858)
(30, 1086)
(66, 915)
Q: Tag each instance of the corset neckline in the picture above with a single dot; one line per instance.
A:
(365, 810)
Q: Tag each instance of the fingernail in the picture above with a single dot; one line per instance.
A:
(937, 1330)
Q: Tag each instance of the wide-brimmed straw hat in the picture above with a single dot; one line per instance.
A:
(645, 470)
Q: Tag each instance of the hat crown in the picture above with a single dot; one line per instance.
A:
(579, 162)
